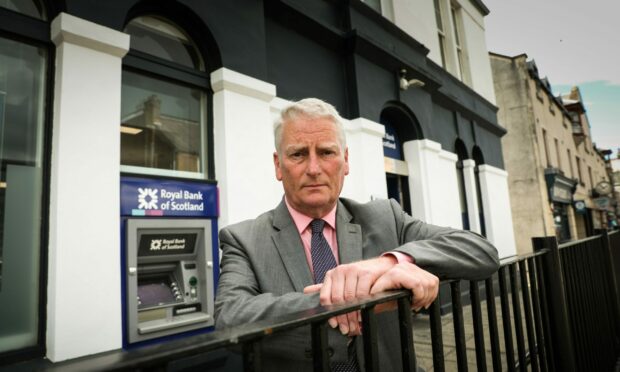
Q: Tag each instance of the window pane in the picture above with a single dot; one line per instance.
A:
(22, 87)
(455, 23)
(32, 8)
(438, 16)
(162, 125)
(162, 39)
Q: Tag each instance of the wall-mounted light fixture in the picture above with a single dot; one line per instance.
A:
(405, 84)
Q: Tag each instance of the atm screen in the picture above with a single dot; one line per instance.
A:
(155, 291)
(165, 244)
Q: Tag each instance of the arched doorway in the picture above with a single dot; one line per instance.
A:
(400, 126)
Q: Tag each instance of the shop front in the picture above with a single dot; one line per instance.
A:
(561, 190)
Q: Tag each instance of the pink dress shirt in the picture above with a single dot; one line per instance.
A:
(302, 222)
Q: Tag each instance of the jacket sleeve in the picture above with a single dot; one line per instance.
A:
(446, 252)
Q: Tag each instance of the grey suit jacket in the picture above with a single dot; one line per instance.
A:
(264, 271)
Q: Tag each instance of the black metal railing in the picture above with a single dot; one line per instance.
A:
(555, 309)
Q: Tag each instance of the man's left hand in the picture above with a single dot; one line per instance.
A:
(347, 282)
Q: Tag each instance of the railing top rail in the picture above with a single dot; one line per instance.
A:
(577, 242)
(161, 353)
(514, 259)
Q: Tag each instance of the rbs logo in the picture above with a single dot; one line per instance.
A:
(147, 198)
(155, 244)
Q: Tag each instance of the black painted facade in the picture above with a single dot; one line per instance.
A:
(340, 50)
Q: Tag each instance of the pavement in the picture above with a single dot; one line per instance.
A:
(423, 345)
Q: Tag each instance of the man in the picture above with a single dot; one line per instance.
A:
(332, 248)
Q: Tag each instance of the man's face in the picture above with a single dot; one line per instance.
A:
(311, 165)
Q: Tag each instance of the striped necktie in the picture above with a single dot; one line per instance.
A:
(322, 257)
(322, 261)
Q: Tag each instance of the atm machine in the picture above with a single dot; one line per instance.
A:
(169, 258)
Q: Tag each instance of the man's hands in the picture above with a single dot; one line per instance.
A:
(360, 279)
(424, 285)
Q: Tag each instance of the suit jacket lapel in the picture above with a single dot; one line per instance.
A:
(288, 243)
(349, 236)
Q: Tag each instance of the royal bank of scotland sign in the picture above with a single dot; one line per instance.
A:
(156, 197)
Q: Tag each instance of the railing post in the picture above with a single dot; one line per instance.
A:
(614, 291)
(406, 335)
(563, 351)
(320, 359)
(371, 348)
(252, 357)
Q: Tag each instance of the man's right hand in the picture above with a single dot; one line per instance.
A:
(424, 285)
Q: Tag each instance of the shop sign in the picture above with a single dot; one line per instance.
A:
(391, 143)
(580, 207)
(156, 197)
(561, 194)
(602, 203)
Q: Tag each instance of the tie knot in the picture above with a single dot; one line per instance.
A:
(317, 226)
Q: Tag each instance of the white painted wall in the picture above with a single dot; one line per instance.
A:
(433, 183)
(496, 205)
(366, 177)
(84, 302)
(243, 146)
(474, 40)
(469, 178)
(417, 18)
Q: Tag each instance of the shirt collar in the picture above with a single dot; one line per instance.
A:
(302, 221)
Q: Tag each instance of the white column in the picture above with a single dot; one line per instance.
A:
(421, 157)
(497, 212)
(243, 137)
(471, 195)
(366, 177)
(433, 184)
(84, 299)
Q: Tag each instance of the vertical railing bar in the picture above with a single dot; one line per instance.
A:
(371, 350)
(252, 357)
(609, 277)
(503, 292)
(596, 298)
(562, 336)
(601, 335)
(436, 337)
(609, 295)
(320, 358)
(545, 312)
(406, 335)
(516, 307)
(540, 341)
(527, 308)
(574, 278)
(612, 277)
(587, 299)
(459, 327)
(481, 361)
(493, 329)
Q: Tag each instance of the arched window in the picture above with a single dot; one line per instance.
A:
(165, 126)
(461, 153)
(24, 114)
(479, 159)
(400, 126)
(32, 8)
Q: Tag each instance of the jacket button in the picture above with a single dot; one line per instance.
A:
(308, 353)
(330, 352)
